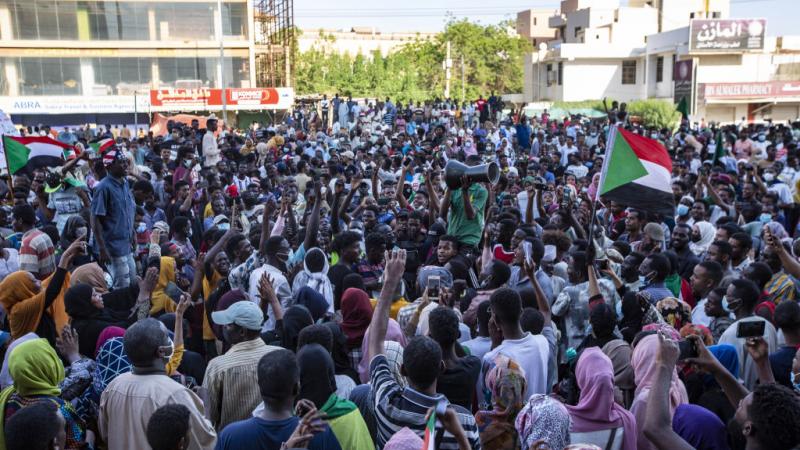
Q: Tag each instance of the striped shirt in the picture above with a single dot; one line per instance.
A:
(396, 408)
(231, 380)
(36, 254)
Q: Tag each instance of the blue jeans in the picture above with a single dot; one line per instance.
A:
(122, 270)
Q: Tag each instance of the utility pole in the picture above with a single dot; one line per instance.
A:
(448, 64)
(463, 81)
(222, 66)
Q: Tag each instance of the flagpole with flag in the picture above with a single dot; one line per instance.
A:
(10, 178)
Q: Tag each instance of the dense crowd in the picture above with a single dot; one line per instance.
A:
(324, 283)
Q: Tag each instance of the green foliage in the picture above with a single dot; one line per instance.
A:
(493, 61)
(655, 113)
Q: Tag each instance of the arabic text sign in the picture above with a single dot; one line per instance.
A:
(726, 35)
(280, 98)
(763, 89)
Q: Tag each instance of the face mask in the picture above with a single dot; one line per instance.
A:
(795, 380)
(141, 227)
(189, 232)
(467, 144)
(653, 135)
(765, 218)
(589, 164)
(725, 303)
(769, 176)
(81, 232)
(224, 226)
(642, 280)
(187, 164)
(761, 138)
(682, 210)
(618, 310)
(593, 134)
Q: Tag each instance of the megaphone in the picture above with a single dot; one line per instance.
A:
(454, 170)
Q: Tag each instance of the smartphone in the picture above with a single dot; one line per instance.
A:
(434, 282)
(687, 349)
(528, 250)
(754, 328)
(173, 291)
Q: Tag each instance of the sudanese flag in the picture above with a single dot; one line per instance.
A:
(637, 173)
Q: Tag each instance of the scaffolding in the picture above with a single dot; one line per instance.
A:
(274, 42)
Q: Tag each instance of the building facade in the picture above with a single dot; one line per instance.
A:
(356, 41)
(96, 57)
(603, 50)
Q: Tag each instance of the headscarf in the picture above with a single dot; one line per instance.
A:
(317, 380)
(25, 307)
(405, 439)
(665, 329)
(36, 370)
(161, 302)
(506, 382)
(5, 376)
(596, 409)
(393, 333)
(675, 312)
(691, 329)
(91, 274)
(645, 369)
(356, 315)
(543, 418)
(111, 363)
(314, 301)
(108, 333)
(777, 230)
(592, 189)
(700, 428)
(727, 355)
(341, 359)
(318, 281)
(77, 302)
(770, 306)
(69, 230)
(620, 353)
(295, 319)
(707, 232)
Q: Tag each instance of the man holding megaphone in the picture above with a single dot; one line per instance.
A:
(465, 200)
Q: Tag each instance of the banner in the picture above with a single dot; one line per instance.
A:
(726, 35)
(73, 104)
(758, 89)
(682, 80)
(6, 128)
(236, 98)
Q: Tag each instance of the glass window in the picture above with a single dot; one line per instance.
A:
(187, 21)
(659, 69)
(30, 76)
(560, 73)
(50, 76)
(47, 19)
(67, 20)
(628, 72)
(234, 19)
(24, 20)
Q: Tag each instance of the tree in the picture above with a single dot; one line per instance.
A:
(493, 59)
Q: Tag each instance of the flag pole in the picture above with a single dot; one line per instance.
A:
(8, 169)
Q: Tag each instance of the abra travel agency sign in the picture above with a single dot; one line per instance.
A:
(212, 99)
(726, 35)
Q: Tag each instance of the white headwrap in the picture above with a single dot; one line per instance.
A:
(317, 281)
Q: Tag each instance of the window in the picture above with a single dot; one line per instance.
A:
(560, 73)
(577, 31)
(49, 76)
(659, 69)
(534, 21)
(550, 75)
(628, 72)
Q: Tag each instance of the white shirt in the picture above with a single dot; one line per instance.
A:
(282, 290)
(748, 368)
(531, 352)
(210, 150)
(699, 315)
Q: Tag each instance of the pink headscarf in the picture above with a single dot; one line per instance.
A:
(596, 410)
(405, 439)
(106, 334)
(393, 333)
(644, 371)
(592, 189)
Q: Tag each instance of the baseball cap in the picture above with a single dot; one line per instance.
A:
(245, 314)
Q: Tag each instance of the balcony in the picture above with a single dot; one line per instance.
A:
(557, 21)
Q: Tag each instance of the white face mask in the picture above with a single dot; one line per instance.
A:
(768, 176)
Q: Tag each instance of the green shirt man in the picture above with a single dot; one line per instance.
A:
(468, 231)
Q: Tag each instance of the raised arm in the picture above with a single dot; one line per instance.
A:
(444, 208)
(312, 227)
(393, 273)
(707, 362)
(658, 421)
(541, 299)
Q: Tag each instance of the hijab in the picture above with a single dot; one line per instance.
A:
(356, 315)
(645, 370)
(295, 319)
(161, 302)
(506, 382)
(544, 418)
(88, 320)
(111, 363)
(700, 428)
(596, 409)
(707, 232)
(727, 355)
(697, 329)
(5, 376)
(405, 439)
(619, 351)
(106, 334)
(317, 381)
(314, 302)
(675, 312)
(341, 360)
(78, 305)
(91, 274)
(318, 281)
(393, 333)
(25, 307)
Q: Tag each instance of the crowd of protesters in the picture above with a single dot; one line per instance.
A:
(323, 283)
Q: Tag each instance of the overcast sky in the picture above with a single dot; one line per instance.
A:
(427, 15)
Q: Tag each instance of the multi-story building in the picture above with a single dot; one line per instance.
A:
(533, 24)
(358, 40)
(634, 52)
(97, 61)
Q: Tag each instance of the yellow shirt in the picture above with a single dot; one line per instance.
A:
(395, 308)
